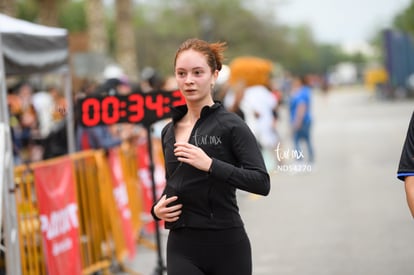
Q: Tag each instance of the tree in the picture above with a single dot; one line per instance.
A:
(98, 41)
(404, 21)
(125, 38)
(27, 10)
(151, 33)
(8, 7)
(162, 25)
(48, 12)
(72, 16)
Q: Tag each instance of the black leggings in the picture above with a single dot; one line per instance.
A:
(208, 252)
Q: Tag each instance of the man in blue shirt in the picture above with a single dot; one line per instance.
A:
(300, 114)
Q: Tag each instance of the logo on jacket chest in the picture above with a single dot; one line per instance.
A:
(207, 140)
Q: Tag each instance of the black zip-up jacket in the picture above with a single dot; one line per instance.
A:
(209, 198)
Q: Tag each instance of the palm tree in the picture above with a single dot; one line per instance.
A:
(126, 54)
(97, 35)
(48, 12)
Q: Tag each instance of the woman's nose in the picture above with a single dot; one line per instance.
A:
(189, 79)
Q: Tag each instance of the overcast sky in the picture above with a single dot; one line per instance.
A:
(341, 21)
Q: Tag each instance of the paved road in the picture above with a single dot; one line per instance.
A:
(348, 215)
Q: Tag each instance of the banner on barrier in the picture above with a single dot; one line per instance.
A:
(122, 201)
(144, 173)
(58, 210)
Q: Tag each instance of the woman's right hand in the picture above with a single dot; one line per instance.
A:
(165, 212)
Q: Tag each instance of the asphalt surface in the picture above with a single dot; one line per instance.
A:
(347, 213)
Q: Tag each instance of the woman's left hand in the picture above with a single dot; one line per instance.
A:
(192, 155)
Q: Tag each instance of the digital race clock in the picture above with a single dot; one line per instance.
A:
(145, 108)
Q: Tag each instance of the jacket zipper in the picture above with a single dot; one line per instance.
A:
(194, 132)
(210, 204)
(195, 128)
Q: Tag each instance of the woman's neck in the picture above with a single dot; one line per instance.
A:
(194, 110)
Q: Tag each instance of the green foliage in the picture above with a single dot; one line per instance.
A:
(71, 13)
(405, 19)
(72, 16)
(161, 25)
(27, 10)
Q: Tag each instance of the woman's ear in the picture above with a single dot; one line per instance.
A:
(215, 76)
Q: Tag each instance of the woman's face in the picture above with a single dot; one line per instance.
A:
(194, 77)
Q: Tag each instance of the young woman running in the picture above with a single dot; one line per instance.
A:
(209, 153)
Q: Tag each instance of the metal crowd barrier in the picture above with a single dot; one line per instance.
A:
(30, 239)
(93, 200)
(129, 162)
(101, 239)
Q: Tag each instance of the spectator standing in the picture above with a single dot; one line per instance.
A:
(251, 98)
(300, 115)
(24, 123)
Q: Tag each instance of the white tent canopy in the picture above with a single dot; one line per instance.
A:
(31, 48)
(12, 25)
(25, 48)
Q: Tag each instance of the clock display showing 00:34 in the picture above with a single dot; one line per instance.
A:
(134, 108)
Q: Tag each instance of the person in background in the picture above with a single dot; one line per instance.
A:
(251, 98)
(209, 153)
(43, 104)
(151, 80)
(406, 165)
(300, 115)
(24, 123)
(258, 106)
(51, 107)
(97, 137)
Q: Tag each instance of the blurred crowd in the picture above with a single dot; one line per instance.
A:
(256, 91)
(36, 117)
(38, 114)
(247, 86)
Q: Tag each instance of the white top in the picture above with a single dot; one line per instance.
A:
(257, 106)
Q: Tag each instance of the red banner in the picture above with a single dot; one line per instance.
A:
(145, 175)
(55, 188)
(121, 198)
